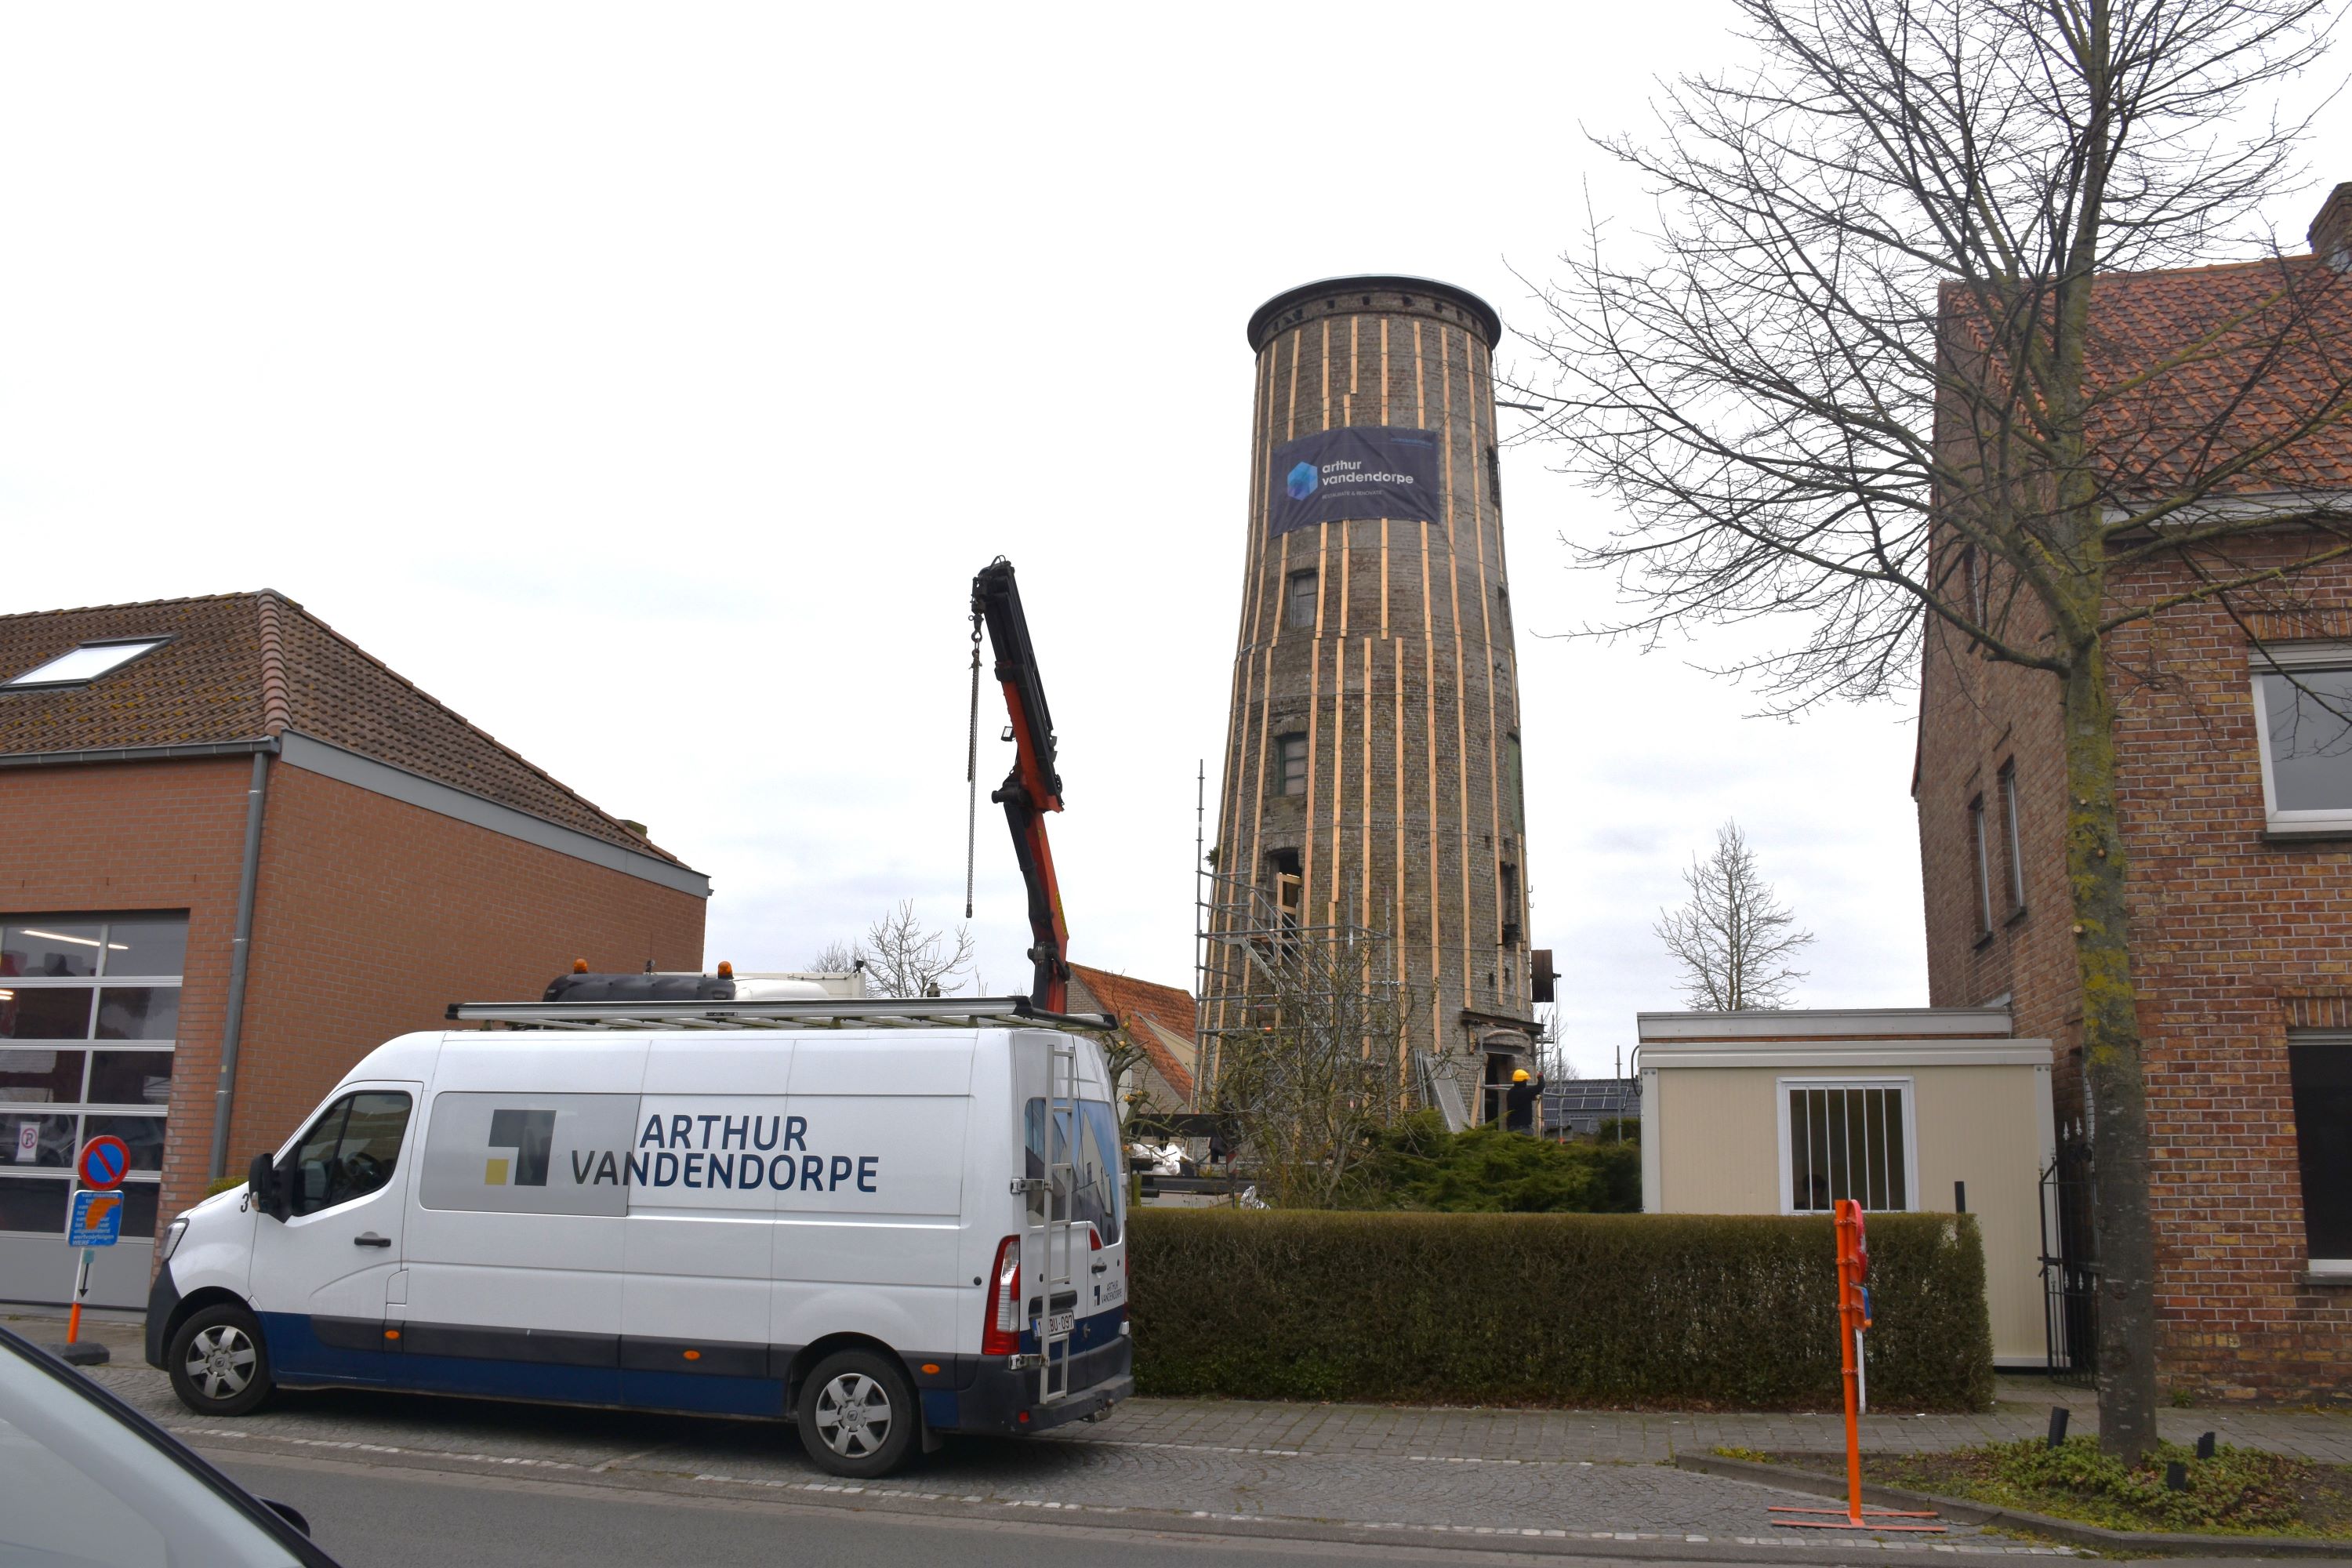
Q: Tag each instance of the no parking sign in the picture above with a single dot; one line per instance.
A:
(105, 1161)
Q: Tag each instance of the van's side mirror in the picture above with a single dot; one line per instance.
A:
(268, 1191)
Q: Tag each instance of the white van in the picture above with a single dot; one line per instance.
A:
(851, 1214)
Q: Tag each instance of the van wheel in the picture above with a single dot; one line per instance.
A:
(857, 1415)
(218, 1364)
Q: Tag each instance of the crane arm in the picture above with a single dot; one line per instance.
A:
(1033, 788)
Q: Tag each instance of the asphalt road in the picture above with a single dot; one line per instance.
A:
(375, 1518)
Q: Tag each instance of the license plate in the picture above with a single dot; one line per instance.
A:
(1062, 1322)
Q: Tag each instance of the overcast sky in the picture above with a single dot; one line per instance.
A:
(647, 383)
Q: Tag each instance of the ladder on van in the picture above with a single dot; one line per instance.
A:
(1059, 1242)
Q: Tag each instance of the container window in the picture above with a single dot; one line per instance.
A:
(1847, 1140)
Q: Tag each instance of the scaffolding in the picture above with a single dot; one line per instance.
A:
(1261, 967)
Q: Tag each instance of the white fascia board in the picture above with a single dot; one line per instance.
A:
(430, 795)
(1824, 1023)
(1841, 1055)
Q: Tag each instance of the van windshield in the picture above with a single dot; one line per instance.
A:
(1097, 1200)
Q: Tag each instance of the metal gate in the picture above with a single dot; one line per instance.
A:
(2070, 1263)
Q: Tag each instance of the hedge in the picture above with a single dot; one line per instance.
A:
(1695, 1312)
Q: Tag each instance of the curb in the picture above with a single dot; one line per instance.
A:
(2120, 1541)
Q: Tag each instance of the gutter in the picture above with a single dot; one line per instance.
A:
(138, 753)
(257, 795)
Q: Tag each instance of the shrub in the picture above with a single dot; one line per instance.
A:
(1701, 1311)
(1419, 1164)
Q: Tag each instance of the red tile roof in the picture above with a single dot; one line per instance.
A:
(246, 667)
(1135, 1000)
(2190, 365)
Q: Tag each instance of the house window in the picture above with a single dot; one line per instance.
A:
(1304, 599)
(2320, 1069)
(1980, 853)
(2303, 717)
(89, 1009)
(1846, 1140)
(1290, 752)
(2015, 837)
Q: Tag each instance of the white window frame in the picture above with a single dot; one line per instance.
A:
(1980, 848)
(2014, 835)
(1909, 1086)
(2289, 660)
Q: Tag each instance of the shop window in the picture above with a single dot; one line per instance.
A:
(2320, 1069)
(1846, 1140)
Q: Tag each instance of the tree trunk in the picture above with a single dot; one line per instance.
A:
(2116, 1091)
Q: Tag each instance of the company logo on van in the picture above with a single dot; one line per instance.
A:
(521, 1144)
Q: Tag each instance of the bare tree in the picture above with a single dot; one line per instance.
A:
(1314, 1064)
(1856, 383)
(906, 958)
(1734, 938)
(837, 957)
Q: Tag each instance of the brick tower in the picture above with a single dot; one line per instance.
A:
(1371, 771)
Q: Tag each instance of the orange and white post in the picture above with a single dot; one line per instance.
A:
(1853, 1321)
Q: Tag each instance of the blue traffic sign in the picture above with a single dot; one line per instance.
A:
(96, 1219)
(105, 1161)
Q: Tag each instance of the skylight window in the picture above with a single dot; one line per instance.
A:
(86, 663)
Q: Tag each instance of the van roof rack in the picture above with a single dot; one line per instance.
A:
(819, 1013)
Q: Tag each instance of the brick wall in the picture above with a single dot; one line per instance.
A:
(370, 916)
(2235, 938)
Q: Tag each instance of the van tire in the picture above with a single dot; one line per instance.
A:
(218, 1361)
(858, 1417)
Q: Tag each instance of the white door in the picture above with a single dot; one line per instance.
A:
(320, 1274)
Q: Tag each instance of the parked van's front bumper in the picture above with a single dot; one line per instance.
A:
(1002, 1400)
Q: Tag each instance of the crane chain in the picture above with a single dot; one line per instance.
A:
(971, 775)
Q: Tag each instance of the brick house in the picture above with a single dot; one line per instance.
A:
(2235, 796)
(184, 777)
(1159, 1019)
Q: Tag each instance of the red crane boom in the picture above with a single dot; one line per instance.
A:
(1033, 788)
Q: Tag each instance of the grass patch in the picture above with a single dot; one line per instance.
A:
(2238, 1491)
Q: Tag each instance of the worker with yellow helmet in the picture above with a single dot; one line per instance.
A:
(1519, 1101)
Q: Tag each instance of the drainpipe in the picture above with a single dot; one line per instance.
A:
(240, 952)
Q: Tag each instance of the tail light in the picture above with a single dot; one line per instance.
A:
(1000, 1330)
(1094, 1238)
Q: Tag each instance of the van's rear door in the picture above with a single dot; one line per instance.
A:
(1072, 1254)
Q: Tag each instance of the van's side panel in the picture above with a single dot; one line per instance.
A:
(870, 1240)
(506, 1293)
(714, 1137)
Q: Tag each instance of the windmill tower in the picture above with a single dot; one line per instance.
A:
(1371, 777)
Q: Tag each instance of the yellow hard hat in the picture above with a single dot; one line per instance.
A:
(1520, 1076)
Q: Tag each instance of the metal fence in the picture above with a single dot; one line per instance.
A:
(2070, 1263)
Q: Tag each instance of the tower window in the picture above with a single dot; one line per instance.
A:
(1303, 599)
(1290, 752)
(1508, 886)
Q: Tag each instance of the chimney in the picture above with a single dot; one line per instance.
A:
(2331, 231)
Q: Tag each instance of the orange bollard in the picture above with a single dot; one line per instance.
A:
(1853, 1318)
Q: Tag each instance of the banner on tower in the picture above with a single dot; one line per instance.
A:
(1357, 471)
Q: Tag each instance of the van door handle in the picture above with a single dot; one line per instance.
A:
(1102, 1268)
(370, 1239)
